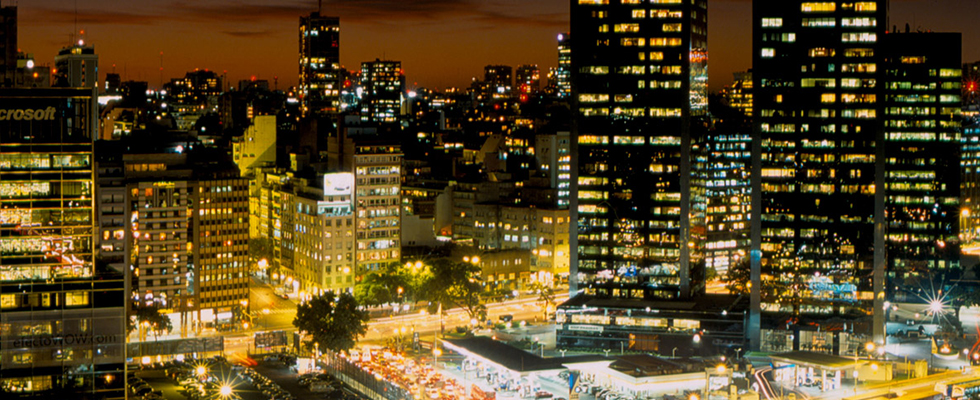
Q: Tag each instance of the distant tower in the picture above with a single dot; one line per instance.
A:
(319, 64)
(563, 75)
(8, 44)
(528, 81)
(384, 86)
(77, 66)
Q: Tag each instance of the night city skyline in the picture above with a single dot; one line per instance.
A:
(490, 199)
(441, 43)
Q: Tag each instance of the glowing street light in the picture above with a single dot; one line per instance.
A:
(225, 390)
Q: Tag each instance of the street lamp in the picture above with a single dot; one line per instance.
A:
(435, 360)
(225, 390)
(673, 353)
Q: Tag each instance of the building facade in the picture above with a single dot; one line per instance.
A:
(319, 65)
(384, 88)
(922, 97)
(62, 325)
(178, 225)
(639, 74)
(815, 76)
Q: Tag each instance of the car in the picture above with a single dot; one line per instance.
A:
(506, 318)
(910, 322)
(543, 395)
(154, 395)
(142, 390)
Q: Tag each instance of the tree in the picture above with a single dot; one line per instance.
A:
(739, 277)
(458, 284)
(259, 248)
(151, 318)
(382, 286)
(545, 294)
(334, 322)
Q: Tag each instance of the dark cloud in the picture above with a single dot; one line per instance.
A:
(46, 16)
(386, 12)
(248, 34)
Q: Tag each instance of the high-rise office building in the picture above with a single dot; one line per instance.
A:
(319, 65)
(8, 45)
(498, 83)
(815, 75)
(639, 75)
(384, 89)
(563, 74)
(922, 97)
(179, 222)
(77, 66)
(851, 202)
(527, 81)
(196, 93)
(376, 164)
(63, 314)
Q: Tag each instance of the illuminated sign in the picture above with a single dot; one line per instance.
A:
(27, 114)
(338, 184)
(69, 339)
(824, 287)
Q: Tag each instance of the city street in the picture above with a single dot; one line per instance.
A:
(524, 309)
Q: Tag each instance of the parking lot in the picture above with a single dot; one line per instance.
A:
(247, 379)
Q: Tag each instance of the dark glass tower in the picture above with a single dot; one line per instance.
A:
(639, 76)
(852, 201)
(319, 64)
(922, 97)
(817, 79)
(62, 315)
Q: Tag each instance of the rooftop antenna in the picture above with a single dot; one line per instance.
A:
(76, 24)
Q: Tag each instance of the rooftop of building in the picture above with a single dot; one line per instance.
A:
(504, 355)
(703, 303)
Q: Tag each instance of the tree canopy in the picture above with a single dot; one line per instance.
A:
(151, 315)
(335, 322)
(457, 284)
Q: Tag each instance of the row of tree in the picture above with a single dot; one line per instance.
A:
(443, 284)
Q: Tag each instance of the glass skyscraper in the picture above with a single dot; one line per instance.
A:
(62, 315)
(639, 74)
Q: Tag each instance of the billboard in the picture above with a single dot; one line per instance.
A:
(338, 184)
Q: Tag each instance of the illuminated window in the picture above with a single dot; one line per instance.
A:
(593, 2)
(828, 98)
(76, 299)
(772, 22)
(627, 28)
(822, 52)
(656, 56)
(858, 22)
(768, 52)
(8, 301)
(949, 73)
(818, 7)
(633, 69)
(866, 6)
(672, 27)
(859, 37)
(819, 22)
(665, 14)
(665, 42)
(639, 13)
(859, 53)
(638, 42)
